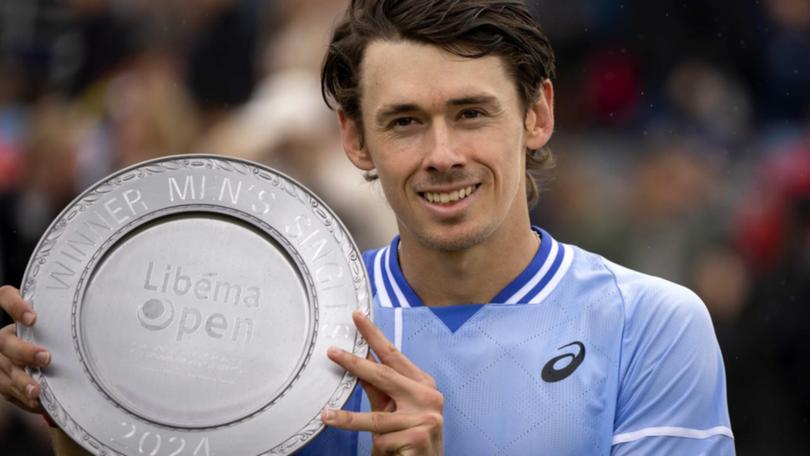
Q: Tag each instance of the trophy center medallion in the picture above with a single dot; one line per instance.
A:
(190, 321)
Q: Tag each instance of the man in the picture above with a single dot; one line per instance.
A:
(503, 340)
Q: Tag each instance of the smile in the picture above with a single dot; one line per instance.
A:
(449, 197)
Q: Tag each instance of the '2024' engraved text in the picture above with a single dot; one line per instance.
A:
(154, 444)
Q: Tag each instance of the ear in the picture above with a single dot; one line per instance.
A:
(353, 145)
(539, 120)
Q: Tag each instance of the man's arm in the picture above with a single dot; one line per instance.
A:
(672, 392)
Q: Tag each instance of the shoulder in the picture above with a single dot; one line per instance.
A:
(665, 324)
(662, 324)
(640, 296)
(647, 297)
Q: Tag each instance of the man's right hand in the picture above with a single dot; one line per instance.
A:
(16, 385)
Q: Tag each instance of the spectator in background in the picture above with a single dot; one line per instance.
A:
(785, 64)
(772, 355)
(99, 38)
(51, 144)
(287, 126)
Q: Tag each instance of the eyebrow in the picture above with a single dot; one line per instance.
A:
(475, 99)
(395, 109)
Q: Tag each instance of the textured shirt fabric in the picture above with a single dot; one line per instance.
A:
(577, 356)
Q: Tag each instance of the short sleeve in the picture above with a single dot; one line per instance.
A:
(672, 391)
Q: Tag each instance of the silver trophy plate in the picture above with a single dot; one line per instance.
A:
(188, 303)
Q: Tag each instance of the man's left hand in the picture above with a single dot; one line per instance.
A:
(406, 415)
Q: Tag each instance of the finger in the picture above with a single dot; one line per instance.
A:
(376, 422)
(379, 401)
(417, 440)
(29, 402)
(13, 304)
(383, 377)
(5, 366)
(11, 392)
(21, 352)
(28, 406)
(13, 377)
(385, 350)
(28, 387)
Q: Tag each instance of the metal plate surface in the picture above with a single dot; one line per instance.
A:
(188, 303)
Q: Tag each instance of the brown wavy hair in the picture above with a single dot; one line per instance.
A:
(467, 28)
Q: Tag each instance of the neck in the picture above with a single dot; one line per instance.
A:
(477, 274)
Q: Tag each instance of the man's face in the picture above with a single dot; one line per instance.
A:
(447, 136)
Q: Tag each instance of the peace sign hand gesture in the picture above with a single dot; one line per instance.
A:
(407, 409)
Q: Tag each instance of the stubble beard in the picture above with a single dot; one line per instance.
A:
(453, 243)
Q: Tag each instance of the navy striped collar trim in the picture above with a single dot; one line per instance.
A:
(537, 281)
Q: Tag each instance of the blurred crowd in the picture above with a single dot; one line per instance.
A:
(682, 147)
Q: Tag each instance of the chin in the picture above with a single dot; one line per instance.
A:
(453, 240)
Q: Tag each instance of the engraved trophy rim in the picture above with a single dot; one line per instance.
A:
(90, 433)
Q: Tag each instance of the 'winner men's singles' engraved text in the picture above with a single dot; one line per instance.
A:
(198, 188)
(103, 219)
(158, 314)
(312, 243)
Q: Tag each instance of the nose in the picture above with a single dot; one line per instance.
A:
(443, 152)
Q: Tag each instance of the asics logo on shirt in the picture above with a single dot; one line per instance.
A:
(553, 373)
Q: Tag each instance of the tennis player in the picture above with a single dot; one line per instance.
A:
(491, 337)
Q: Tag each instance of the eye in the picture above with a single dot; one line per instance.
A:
(471, 114)
(403, 122)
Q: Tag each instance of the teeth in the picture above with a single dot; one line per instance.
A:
(450, 197)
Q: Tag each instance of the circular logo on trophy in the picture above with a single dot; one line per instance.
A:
(188, 303)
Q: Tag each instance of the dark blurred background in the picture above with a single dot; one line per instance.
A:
(683, 148)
